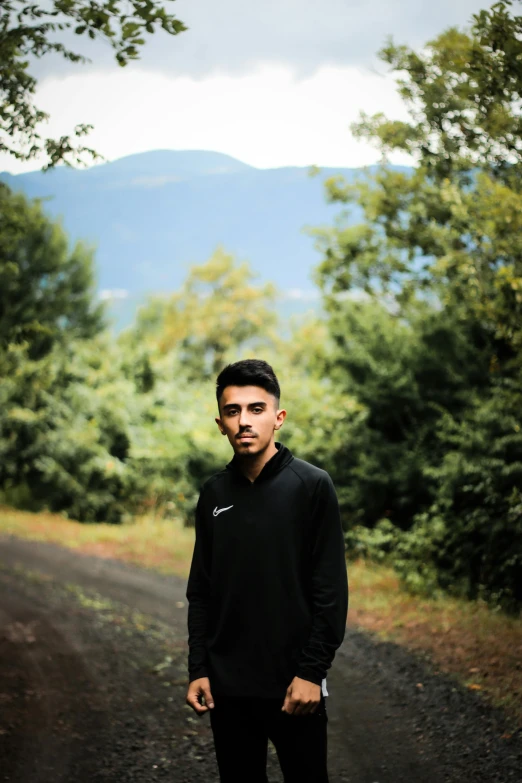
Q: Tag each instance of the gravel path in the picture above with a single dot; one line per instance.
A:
(93, 681)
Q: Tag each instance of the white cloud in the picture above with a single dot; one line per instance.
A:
(302, 294)
(236, 36)
(272, 83)
(267, 118)
(109, 294)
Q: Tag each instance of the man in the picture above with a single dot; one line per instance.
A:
(267, 591)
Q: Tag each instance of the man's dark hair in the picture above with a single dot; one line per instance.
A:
(248, 372)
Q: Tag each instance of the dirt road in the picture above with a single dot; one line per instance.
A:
(93, 681)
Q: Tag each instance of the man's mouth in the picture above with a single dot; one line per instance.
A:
(246, 437)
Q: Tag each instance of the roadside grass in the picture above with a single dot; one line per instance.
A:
(165, 545)
(482, 648)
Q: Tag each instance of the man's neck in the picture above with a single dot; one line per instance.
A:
(251, 467)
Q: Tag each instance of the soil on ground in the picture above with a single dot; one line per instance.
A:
(93, 680)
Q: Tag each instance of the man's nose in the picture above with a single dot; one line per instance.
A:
(244, 419)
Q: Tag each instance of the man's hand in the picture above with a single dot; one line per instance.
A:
(302, 697)
(196, 690)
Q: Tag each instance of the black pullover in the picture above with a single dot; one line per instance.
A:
(268, 588)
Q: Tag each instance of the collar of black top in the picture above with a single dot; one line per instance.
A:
(281, 458)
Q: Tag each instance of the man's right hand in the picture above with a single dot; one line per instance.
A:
(196, 690)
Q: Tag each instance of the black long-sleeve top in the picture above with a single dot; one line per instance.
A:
(268, 588)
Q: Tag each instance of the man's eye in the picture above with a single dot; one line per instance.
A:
(258, 410)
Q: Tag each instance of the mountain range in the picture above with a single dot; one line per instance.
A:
(151, 215)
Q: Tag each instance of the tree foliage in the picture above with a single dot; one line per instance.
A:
(469, 540)
(64, 430)
(46, 289)
(434, 349)
(32, 30)
(217, 313)
(102, 428)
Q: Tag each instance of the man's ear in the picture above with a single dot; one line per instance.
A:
(220, 425)
(280, 417)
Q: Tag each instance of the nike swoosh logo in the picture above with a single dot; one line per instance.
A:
(218, 511)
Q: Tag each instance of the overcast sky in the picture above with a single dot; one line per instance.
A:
(273, 83)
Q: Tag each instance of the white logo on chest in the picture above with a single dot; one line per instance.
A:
(218, 511)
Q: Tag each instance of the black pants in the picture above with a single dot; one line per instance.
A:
(242, 728)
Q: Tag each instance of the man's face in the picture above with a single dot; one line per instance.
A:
(249, 417)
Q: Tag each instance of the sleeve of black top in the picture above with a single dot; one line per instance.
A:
(329, 585)
(198, 596)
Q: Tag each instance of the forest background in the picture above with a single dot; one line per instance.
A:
(408, 390)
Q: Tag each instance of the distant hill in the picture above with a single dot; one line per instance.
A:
(150, 216)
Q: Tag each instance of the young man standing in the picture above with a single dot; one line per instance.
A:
(267, 592)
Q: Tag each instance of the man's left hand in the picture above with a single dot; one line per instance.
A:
(302, 697)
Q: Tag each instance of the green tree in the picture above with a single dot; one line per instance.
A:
(469, 541)
(65, 430)
(99, 428)
(325, 422)
(46, 289)
(32, 30)
(56, 433)
(217, 313)
(439, 351)
(453, 225)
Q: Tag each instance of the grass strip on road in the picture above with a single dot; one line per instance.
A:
(481, 647)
